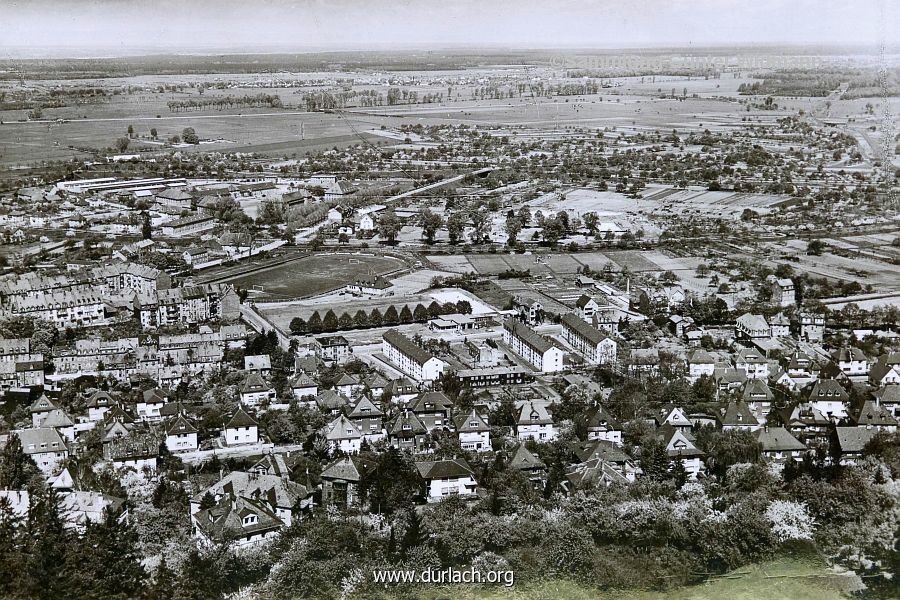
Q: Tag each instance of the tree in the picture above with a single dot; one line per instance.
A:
(479, 226)
(298, 326)
(420, 315)
(513, 227)
(654, 459)
(108, 564)
(330, 321)
(131, 131)
(430, 224)
(361, 319)
(315, 323)
(455, 225)
(375, 318)
(434, 309)
(391, 317)
(391, 485)
(153, 132)
(591, 221)
(464, 307)
(816, 247)
(146, 226)
(49, 556)
(16, 468)
(388, 227)
(345, 321)
(122, 144)
(189, 136)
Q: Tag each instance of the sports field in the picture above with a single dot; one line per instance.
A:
(314, 275)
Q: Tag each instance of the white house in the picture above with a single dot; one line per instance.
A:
(342, 434)
(45, 447)
(445, 478)
(241, 429)
(851, 361)
(829, 398)
(752, 363)
(474, 432)
(700, 363)
(538, 350)
(535, 423)
(181, 435)
(411, 358)
(596, 347)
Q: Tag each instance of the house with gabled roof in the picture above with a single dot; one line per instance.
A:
(241, 429)
(849, 443)
(674, 416)
(600, 425)
(595, 346)
(148, 403)
(407, 432)
(871, 415)
(348, 385)
(255, 391)
(609, 453)
(366, 415)
(473, 431)
(40, 408)
(851, 361)
(45, 447)
(445, 478)
(535, 423)
(530, 465)
(806, 423)
(830, 398)
(752, 363)
(886, 370)
(737, 415)
(303, 386)
(98, 404)
(283, 497)
(681, 447)
(778, 446)
(699, 363)
(330, 402)
(181, 435)
(889, 398)
(236, 521)
(758, 397)
(58, 419)
(342, 434)
(752, 327)
(433, 409)
(341, 481)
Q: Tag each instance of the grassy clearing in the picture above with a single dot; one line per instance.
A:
(783, 579)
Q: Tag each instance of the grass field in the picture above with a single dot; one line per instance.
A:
(786, 579)
(313, 275)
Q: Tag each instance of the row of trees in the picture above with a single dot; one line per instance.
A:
(391, 316)
(223, 102)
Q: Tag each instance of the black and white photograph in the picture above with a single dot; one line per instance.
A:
(449, 299)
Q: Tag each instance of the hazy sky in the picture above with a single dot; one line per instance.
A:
(115, 26)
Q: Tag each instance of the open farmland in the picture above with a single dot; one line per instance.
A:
(314, 275)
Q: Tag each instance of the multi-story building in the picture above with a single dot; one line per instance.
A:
(592, 344)
(411, 358)
(536, 349)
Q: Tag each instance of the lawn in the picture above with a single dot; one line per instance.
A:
(314, 275)
(784, 579)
